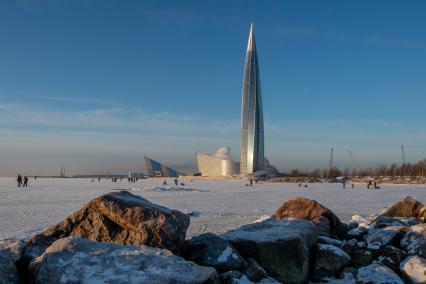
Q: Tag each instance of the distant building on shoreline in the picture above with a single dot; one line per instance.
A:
(156, 169)
(252, 135)
(219, 164)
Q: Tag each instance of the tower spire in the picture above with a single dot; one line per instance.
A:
(251, 44)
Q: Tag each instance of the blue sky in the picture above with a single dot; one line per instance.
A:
(95, 85)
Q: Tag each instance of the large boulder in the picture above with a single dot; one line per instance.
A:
(282, 247)
(303, 208)
(409, 207)
(329, 261)
(121, 218)
(414, 241)
(76, 260)
(10, 254)
(414, 269)
(377, 274)
(211, 250)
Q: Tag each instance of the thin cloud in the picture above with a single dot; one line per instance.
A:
(113, 120)
(364, 39)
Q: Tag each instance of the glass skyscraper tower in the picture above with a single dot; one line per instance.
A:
(252, 141)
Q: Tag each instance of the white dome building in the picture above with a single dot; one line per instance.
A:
(218, 164)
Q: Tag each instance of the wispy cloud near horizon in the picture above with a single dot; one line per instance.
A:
(342, 36)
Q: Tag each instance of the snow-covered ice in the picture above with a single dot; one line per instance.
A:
(220, 205)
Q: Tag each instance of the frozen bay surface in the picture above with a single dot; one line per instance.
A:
(215, 205)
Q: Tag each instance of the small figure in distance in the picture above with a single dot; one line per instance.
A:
(251, 182)
(164, 182)
(176, 181)
(99, 179)
(344, 183)
(182, 184)
(352, 185)
(25, 182)
(306, 185)
(19, 180)
(376, 186)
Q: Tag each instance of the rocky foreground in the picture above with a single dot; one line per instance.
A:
(123, 238)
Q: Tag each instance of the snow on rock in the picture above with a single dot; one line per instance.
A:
(379, 238)
(414, 269)
(304, 208)
(281, 247)
(347, 278)
(76, 260)
(391, 257)
(329, 260)
(386, 221)
(357, 233)
(10, 252)
(211, 250)
(118, 217)
(262, 218)
(361, 220)
(414, 241)
(377, 274)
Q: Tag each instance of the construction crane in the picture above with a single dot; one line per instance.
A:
(403, 160)
(352, 161)
(331, 162)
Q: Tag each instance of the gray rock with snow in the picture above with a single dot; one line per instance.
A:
(386, 221)
(356, 233)
(281, 247)
(379, 238)
(414, 269)
(329, 260)
(377, 274)
(391, 257)
(10, 252)
(211, 250)
(414, 241)
(76, 260)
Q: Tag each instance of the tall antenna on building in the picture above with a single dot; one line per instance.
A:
(331, 162)
(352, 161)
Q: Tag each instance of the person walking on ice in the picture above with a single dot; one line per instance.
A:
(25, 182)
(19, 180)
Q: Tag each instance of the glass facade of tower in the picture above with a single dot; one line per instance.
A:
(252, 134)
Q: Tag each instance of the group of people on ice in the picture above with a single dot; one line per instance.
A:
(372, 184)
(22, 181)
